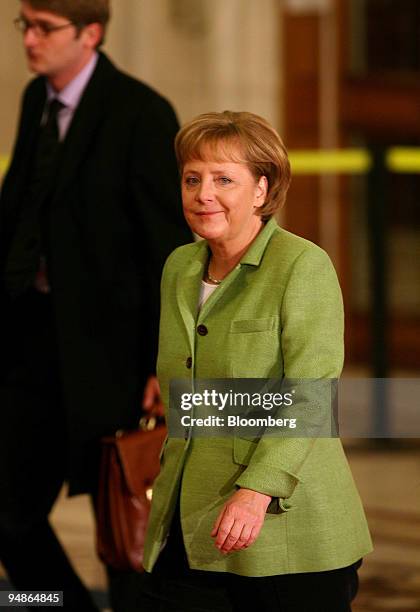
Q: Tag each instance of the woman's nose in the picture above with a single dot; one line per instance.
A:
(205, 191)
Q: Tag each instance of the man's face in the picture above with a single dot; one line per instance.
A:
(59, 52)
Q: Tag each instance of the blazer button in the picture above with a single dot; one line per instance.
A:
(202, 330)
(188, 363)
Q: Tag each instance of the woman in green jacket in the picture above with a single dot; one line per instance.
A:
(241, 522)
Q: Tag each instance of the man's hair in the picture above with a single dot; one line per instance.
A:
(239, 137)
(80, 12)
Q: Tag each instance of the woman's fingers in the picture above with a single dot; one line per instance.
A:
(229, 536)
(244, 539)
(217, 523)
(224, 529)
(254, 534)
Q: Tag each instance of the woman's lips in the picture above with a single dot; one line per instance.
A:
(209, 213)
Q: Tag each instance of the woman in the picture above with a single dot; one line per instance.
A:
(269, 522)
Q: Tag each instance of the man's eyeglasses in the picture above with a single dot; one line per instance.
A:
(42, 29)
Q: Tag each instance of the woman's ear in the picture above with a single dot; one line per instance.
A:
(261, 191)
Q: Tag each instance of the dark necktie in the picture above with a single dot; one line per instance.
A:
(29, 242)
(47, 149)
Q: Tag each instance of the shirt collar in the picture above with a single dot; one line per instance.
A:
(70, 95)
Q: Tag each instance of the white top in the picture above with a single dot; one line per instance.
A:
(205, 291)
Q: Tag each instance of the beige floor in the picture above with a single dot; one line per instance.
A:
(389, 483)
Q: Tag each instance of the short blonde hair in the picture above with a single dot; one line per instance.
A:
(244, 138)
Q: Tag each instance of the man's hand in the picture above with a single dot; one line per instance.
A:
(239, 523)
(152, 401)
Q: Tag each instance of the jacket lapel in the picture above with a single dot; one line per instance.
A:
(218, 293)
(32, 120)
(18, 174)
(251, 258)
(189, 280)
(85, 122)
(188, 288)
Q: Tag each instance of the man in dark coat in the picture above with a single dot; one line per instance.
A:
(89, 211)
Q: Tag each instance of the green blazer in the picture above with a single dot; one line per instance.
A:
(277, 314)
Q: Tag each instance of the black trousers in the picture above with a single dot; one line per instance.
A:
(174, 587)
(33, 462)
(33, 454)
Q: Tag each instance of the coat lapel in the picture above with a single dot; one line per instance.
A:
(29, 128)
(189, 280)
(18, 173)
(85, 122)
(188, 288)
(32, 120)
(251, 258)
(218, 293)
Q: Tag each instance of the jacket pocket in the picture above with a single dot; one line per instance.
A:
(241, 326)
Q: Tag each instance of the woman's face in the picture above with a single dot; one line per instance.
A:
(220, 200)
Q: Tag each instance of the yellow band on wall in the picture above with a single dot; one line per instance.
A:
(403, 159)
(337, 161)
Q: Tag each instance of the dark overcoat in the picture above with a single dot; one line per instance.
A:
(114, 216)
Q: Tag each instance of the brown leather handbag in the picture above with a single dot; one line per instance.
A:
(129, 465)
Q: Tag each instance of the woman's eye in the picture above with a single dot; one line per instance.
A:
(191, 181)
(224, 180)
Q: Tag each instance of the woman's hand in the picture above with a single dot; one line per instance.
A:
(239, 523)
